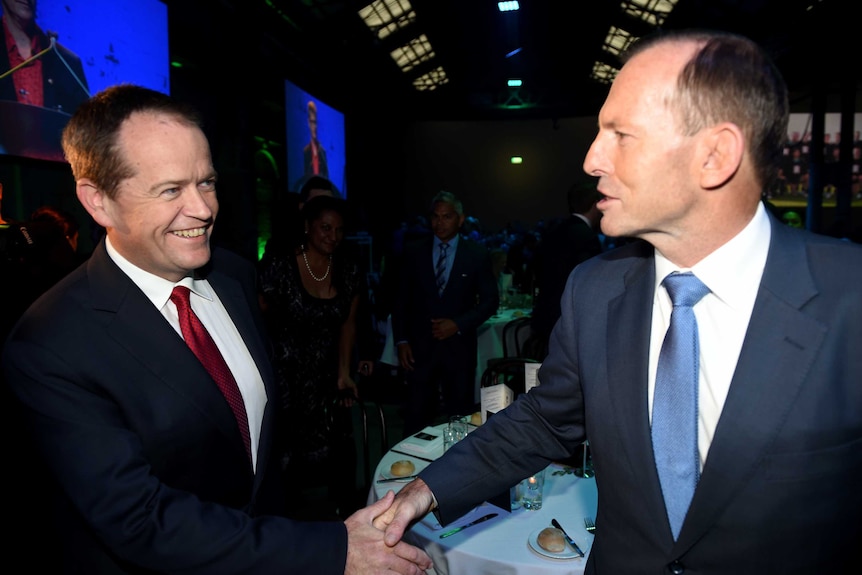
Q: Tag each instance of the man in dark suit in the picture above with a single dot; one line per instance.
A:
(56, 80)
(436, 315)
(689, 136)
(572, 241)
(154, 471)
(314, 154)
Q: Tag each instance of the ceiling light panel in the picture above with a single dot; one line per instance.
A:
(383, 17)
(652, 12)
(413, 53)
(617, 41)
(431, 80)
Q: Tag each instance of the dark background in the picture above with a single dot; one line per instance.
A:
(403, 146)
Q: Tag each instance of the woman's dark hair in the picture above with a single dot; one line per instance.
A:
(316, 183)
(319, 204)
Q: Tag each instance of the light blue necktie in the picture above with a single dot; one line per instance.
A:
(674, 412)
(440, 272)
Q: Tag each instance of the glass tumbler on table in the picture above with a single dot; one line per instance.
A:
(531, 491)
(455, 431)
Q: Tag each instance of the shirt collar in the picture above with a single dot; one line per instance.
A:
(453, 242)
(733, 271)
(158, 290)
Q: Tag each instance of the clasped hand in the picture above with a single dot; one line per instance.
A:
(368, 553)
(412, 503)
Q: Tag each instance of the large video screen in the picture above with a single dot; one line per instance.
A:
(315, 140)
(81, 47)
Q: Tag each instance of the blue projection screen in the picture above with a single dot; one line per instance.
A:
(106, 42)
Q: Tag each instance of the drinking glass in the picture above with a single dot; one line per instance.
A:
(454, 432)
(531, 491)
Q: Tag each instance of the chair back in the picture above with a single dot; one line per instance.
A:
(515, 335)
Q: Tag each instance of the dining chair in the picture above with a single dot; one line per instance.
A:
(515, 334)
(368, 422)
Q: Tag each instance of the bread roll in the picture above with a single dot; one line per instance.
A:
(552, 539)
(402, 468)
(476, 419)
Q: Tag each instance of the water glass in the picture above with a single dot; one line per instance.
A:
(531, 491)
(454, 432)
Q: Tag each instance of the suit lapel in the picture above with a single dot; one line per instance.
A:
(627, 367)
(148, 338)
(780, 344)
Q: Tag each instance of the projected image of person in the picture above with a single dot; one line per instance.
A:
(53, 80)
(314, 154)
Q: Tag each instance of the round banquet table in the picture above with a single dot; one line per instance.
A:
(500, 546)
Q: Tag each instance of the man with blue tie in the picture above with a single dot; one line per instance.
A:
(714, 364)
(446, 291)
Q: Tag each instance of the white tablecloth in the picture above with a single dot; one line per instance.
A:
(499, 546)
(489, 340)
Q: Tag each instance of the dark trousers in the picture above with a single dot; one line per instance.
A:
(443, 386)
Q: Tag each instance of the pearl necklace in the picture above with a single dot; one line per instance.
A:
(311, 273)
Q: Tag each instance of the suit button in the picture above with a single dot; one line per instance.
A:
(676, 568)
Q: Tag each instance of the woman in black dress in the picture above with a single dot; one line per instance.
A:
(310, 293)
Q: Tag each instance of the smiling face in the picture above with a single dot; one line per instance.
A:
(161, 218)
(326, 232)
(643, 161)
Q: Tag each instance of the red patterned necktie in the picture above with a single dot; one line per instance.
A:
(202, 345)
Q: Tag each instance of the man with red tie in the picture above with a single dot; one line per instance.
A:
(161, 463)
(313, 153)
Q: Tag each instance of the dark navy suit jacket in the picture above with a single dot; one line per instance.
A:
(469, 298)
(147, 456)
(779, 492)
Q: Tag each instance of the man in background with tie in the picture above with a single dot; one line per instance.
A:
(714, 365)
(446, 291)
(314, 154)
(144, 378)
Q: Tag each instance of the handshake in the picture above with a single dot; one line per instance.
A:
(374, 533)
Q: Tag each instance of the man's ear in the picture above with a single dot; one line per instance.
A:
(93, 199)
(721, 153)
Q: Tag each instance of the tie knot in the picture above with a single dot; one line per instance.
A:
(684, 289)
(180, 297)
(443, 247)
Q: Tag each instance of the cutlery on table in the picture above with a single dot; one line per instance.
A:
(589, 525)
(571, 541)
(390, 479)
(457, 529)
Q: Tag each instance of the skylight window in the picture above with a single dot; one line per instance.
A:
(413, 53)
(603, 73)
(617, 41)
(383, 17)
(650, 11)
(431, 80)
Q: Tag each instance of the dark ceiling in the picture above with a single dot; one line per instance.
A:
(323, 46)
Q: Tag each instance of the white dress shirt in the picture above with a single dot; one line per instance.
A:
(732, 273)
(210, 310)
